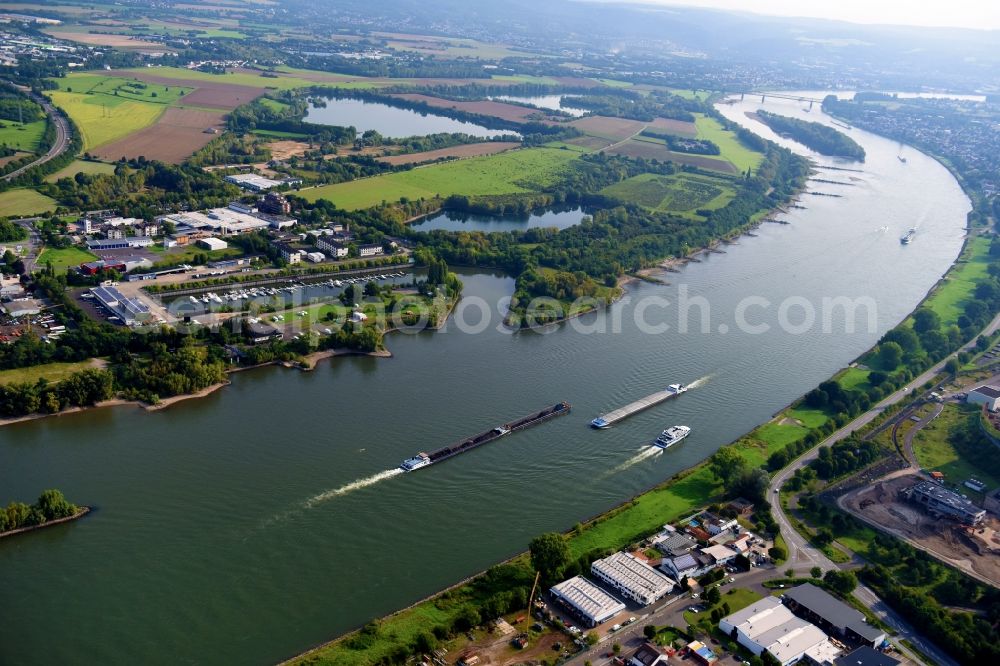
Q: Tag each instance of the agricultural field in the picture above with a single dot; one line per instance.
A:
(105, 118)
(613, 129)
(64, 258)
(465, 150)
(24, 202)
(734, 152)
(450, 47)
(678, 127)
(512, 172)
(679, 193)
(129, 88)
(178, 133)
(80, 166)
(114, 40)
(651, 148)
(24, 137)
(183, 76)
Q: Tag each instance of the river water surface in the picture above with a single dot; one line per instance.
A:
(247, 526)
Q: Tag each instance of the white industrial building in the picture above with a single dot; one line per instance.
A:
(633, 578)
(768, 625)
(253, 182)
(586, 601)
(985, 395)
(213, 244)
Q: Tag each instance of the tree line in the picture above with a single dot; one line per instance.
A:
(823, 139)
(51, 505)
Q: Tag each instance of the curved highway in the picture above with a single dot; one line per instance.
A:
(59, 146)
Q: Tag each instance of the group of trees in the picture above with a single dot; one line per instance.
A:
(10, 232)
(627, 104)
(919, 587)
(81, 389)
(823, 139)
(681, 144)
(143, 189)
(51, 505)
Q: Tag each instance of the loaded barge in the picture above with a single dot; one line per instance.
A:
(644, 403)
(424, 459)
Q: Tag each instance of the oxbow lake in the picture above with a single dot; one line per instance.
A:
(392, 121)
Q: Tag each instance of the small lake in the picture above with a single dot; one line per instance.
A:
(553, 102)
(392, 121)
(455, 221)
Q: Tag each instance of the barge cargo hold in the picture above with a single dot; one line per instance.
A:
(424, 459)
(606, 420)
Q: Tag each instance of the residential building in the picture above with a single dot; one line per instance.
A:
(832, 615)
(673, 543)
(331, 247)
(289, 253)
(940, 501)
(633, 578)
(741, 506)
(274, 204)
(587, 602)
(689, 565)
(713, 524)
(719, 554)
(648, 655)
(984, 395)
(369, 250)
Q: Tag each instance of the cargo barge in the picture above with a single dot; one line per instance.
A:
(424, 459)
(606, 420)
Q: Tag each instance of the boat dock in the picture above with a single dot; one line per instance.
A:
(424, 459)
(610, 418)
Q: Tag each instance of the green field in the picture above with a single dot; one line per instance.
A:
(106, 118)
(52, 372)
(113, 86)
(854, 378)
(679, 193)
(234, 78)
(22, 137)
(733, 151)
(80, 166)
(63, 258)
(701, 95)
(24, 202)
(935, 452)
(960, 283)
(513, 172)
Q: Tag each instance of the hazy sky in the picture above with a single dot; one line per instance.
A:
(981, 14)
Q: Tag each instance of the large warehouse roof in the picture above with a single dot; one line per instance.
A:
(590, 600)
(629, 573)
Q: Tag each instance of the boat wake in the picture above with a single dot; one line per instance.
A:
(645, 453)
(351, 487)
(701, 381)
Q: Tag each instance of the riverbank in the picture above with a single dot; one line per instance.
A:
(81, 512)
(627, 522)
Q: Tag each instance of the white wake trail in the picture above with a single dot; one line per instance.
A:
(646, 453)
(351, 487)
(701, 381)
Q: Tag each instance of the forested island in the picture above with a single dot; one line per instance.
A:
(50, 507)
(815, 136)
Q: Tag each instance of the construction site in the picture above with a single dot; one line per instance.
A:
(971, 548)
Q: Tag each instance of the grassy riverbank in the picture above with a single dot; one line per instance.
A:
(794, 427)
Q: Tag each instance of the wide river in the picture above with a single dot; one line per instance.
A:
(231, 530)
